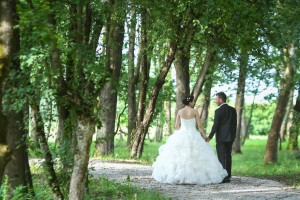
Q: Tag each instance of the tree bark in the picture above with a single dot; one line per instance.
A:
(286, 86)
(105, 136)
(158, 130)
(210, 53)
(16, 128)
(250, 117)
(16, 136)
(283, 128)
(168, 123)
(203, 110)
(294, 130)
(48, 163)
(144, 69)
(138, 143)
(181, 62)
(239, 102)
(8, 19)
(85, 129)
(131, 80)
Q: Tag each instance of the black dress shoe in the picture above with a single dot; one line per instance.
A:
(226, 180)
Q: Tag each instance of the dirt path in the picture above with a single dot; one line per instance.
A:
(238, 188)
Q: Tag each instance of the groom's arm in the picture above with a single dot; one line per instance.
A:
(216, 124)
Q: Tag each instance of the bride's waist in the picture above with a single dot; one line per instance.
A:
(187, 129)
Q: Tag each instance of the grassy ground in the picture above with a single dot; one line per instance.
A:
(249, 163)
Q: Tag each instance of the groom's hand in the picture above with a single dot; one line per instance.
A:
(207, 139)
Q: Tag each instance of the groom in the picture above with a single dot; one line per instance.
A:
(225, 128)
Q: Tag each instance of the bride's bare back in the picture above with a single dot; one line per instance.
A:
(189, 113)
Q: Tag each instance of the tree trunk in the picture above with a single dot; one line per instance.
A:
(48, 163)
(16, 136)
(168, 123)
(250, 117)
(239, 102)
(210, 53)
(203, 110)
(7, 21)
(294, 130)
(85, 129)
(144, 69)
(131, 80)
(243, 126)
(181, 62)
(138, 143)
(158, 130)
(286, 86)
(16, 128)
(32, 131)
(105, 136)
(283, 128)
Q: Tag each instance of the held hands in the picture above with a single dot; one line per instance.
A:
(207, 139)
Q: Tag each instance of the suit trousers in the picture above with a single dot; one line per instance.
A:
(224, 155)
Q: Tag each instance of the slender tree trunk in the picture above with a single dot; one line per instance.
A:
(243, 126)
(158, 130)
(48, 163)
(250, 117)
(85, 129)
(283, 128)
(131, 80)
(168, 123)
(144, 69)
(105, 136)
(7, 21)
(203, 110)
(210, 53)
(294, 130)
(239, 102)
(138, 143)
(32, 131)
(286, 86)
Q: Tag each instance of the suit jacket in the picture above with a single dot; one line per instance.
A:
(224, 124)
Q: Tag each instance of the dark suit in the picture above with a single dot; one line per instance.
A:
(225, 128)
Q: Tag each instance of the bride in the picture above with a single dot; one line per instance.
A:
(186, 158)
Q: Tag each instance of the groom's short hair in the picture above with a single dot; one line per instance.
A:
(222, 96)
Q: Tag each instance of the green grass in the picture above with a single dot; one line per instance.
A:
(121, 153)
(113, 190)
(249, 163)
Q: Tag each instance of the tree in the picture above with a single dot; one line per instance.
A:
(239, 102)
(132, 79)
(17, 170)
(294, 130)
(7, 21)
(182, 62)
(286, 85)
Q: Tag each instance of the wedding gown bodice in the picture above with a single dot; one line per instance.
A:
(188, 124)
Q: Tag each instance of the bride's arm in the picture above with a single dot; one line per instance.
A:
(200, 125)
(177, 122)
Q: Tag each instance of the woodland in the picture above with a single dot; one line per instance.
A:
(80, 79)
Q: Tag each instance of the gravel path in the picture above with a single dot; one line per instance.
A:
(238, 188)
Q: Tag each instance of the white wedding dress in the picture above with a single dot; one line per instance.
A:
(187, 159)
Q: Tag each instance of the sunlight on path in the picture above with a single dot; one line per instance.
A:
(238, 188)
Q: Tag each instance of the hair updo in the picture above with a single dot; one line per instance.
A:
(187, 99)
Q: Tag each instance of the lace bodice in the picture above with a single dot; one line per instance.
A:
(188, 124)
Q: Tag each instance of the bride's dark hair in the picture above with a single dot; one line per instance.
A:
(187, 99)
